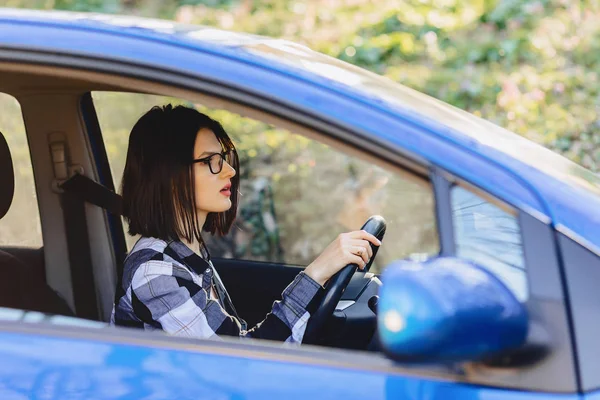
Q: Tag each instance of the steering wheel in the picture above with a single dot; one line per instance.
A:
(334, 289)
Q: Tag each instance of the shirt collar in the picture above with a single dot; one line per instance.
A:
(180, 252)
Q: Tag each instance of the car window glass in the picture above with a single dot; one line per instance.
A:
(21, 225)
(491, 237)
(297, 194)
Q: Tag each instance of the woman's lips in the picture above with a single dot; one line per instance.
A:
(226, 191)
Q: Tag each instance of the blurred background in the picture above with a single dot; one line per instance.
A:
(529, 66)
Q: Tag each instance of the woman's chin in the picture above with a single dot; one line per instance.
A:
(226, 205)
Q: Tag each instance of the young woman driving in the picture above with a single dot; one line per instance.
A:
(181, 179)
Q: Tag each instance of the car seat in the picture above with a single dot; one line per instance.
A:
(20, 286)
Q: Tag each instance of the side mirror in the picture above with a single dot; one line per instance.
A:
(447, 309)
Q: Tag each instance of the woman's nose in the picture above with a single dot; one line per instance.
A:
(228, 170)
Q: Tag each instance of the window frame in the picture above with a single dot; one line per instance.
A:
(99, 157)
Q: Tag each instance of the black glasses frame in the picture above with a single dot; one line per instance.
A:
(208, 161)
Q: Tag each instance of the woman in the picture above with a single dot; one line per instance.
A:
(181, 179)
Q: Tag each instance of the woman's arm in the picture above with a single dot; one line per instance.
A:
(165, 296)
(289, 316)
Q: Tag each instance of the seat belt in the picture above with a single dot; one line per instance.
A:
(78, 247)
(86, 190)
(80, 259)
(79, 190)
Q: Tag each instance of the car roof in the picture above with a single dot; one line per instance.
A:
(570, 193)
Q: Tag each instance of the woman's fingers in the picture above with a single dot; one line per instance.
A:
(365, 244)
(360, 245)
(354, 259)
(365, 236)
(361, 252)
(348, 248)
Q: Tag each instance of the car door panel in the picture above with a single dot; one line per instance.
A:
(86, 366)
(592, 395)
(254, 286)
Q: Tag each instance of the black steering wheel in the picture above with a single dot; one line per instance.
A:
(334, 289)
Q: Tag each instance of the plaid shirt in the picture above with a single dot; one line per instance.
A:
(166, 286)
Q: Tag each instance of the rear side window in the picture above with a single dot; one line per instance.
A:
(491, 237)
(20, 227)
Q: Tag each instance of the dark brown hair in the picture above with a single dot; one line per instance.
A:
(158, 184)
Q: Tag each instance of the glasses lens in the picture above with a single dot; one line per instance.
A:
(229, 157)
(216, 163)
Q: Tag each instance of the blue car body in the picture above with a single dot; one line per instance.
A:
(42, 363)
(44, 366)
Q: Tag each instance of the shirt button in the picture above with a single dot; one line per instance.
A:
(208, 271)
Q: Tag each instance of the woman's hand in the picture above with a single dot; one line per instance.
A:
(347, 248)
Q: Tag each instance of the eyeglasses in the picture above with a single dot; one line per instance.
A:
(215, 161)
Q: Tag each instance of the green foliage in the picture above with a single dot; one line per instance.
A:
(106, 6)
(530, 66)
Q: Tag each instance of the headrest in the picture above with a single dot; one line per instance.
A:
(7, 177)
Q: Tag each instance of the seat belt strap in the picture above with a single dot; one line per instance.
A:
(78, 190)
(94, 193)
(80, 260)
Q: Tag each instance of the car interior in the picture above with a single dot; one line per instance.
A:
(73, 268)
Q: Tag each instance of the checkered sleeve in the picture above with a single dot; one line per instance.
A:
(165, 296)
(289, 316)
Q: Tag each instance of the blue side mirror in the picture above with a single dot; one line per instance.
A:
(447, 309)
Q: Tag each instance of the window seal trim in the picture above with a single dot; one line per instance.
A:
(443, 211)
(102, 164)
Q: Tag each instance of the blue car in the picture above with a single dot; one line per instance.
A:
(485, 286)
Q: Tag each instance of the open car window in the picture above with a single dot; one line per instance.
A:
(297, 194)
(20, 227)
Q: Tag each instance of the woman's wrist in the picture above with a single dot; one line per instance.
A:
(313, 272)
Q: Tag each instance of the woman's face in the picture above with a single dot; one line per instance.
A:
(213, 191)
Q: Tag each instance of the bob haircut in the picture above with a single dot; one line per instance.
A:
(158, 183)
